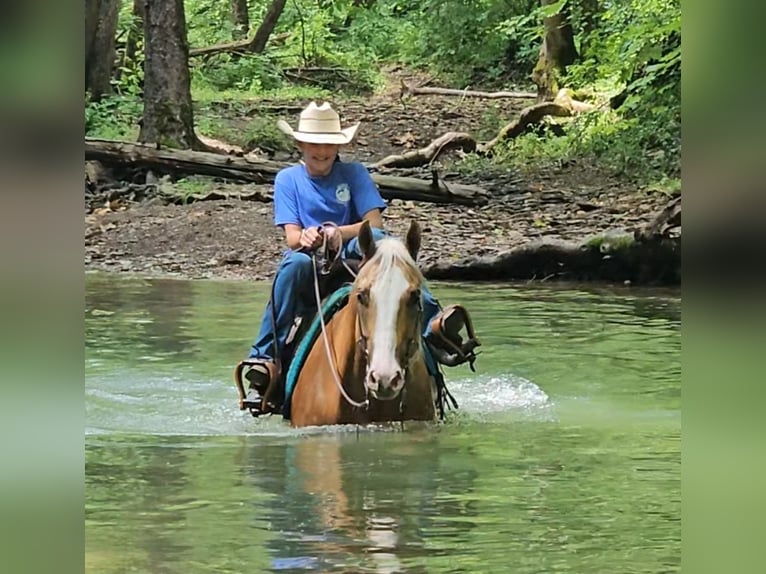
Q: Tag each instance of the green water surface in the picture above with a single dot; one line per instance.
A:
(564, 455)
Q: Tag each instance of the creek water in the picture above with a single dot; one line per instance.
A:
(564, 455)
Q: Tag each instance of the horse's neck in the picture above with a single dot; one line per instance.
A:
(344, 337)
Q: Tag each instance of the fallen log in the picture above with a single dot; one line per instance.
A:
(434, 191)
(451, 140)
(407, 90)
(563, 106)
(239, 46)
(248, 168)
(426, 155)
(181, 162)
(528, 116)
(666, 221)
(609, 257)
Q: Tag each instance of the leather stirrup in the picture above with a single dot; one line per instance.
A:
(445, 341)
(263, 390)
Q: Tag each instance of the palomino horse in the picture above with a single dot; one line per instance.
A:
(368, 364)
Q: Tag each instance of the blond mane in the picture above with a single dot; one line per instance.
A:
(389, 253)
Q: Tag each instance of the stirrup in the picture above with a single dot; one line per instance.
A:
(261, 374)
(445, 341)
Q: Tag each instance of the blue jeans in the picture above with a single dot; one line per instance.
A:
(293, 295)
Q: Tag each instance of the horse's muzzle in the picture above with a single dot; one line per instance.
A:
(384, 387)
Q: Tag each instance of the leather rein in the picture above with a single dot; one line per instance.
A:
(362, 339)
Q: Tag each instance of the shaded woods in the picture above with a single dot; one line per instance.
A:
(579, 90)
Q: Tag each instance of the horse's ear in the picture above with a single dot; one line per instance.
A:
(413, 239)
(366, 241)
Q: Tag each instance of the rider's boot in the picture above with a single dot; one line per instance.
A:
(261, 375)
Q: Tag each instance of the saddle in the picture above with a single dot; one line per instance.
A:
(262, 384)
(270, 386)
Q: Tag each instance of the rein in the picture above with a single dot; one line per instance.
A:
(328, 264)
(325, 338)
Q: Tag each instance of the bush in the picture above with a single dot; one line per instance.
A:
(115, 117)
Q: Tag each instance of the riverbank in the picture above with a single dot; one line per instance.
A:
(234, 238)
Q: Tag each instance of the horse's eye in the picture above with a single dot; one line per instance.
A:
(415, 298)
(364, 298)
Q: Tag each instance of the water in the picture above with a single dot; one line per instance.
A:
(563, 457)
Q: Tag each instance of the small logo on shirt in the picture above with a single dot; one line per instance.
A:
(343, 193)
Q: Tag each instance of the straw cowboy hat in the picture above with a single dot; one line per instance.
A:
(320, 125)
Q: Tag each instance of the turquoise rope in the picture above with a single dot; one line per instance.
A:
(332, 305)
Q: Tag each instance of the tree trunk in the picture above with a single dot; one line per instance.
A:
(240, 18)
(91, 21)
(528, 116)
(626, 260)
(100, 29)
(428, 154)
(557, 52)
(267, 26)
(168, 118)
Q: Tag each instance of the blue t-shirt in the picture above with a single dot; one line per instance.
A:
(342, 197)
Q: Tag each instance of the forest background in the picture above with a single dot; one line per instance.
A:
(565, 114)
(624, 57)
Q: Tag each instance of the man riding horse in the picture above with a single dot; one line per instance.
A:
(323, 201)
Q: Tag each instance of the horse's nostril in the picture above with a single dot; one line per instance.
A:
(384, 385)
(372, 380)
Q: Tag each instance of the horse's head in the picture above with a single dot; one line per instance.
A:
(388, 292)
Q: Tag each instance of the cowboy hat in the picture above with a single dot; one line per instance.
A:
(320, 125)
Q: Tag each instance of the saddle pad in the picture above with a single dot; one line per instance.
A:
(332, 305)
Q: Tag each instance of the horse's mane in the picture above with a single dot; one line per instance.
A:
(390, 251)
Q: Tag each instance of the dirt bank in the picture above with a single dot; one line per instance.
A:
(232, 238)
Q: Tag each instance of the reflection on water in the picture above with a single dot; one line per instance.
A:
(563, 456)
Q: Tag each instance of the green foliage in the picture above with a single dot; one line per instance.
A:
(629, 56)
(254, 132)
(187, 188)
(317, 37)
(607, 243)
(208, 22)
(667, 185)
(637, 47)
(115, 117)
(467, 40)
(249, 73)
(629, 147)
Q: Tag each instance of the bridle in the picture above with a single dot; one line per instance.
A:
(363, 341)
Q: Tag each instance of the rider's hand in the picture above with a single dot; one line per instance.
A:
(311, 238)
(334, 238)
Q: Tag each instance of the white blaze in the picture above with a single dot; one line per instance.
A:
(386, 292)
